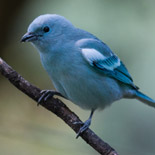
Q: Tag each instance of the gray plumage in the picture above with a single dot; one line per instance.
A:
(81, 67)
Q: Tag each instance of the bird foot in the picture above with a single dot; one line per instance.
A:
(45, 94)
(84, 127)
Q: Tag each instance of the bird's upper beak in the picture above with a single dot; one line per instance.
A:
(28, 37)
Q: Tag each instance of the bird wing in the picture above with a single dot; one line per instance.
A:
(99, 55)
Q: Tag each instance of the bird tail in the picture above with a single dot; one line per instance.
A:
(145, 99)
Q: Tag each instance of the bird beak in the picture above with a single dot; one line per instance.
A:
(28, 37)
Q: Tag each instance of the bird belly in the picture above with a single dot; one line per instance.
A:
(81, 84)
(88, 91)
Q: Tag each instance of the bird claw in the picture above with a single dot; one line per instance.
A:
(84, 127)
(46, 94)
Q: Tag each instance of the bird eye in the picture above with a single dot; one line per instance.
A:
(46, 29)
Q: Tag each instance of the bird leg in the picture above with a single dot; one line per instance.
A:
(85, 125)
(45, 94)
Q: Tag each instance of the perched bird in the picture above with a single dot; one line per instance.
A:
(82, 68)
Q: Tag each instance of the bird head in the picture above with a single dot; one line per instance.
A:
(47, 29)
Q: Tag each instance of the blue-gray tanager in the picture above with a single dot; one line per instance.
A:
(82, 68)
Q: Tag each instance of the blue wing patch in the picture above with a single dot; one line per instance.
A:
(119, 73)
(124, 71)
(109, 63)
(100, 56)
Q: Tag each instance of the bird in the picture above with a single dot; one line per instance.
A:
(83, 69)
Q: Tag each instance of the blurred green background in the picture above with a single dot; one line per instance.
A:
(128, 27)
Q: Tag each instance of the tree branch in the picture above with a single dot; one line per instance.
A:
(57, 107)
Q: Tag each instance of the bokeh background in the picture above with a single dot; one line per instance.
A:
(128, 27)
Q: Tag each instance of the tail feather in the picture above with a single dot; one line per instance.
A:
(145, 99)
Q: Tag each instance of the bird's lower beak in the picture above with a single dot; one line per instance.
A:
(28, 37)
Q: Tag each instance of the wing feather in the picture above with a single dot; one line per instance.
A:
(111, 65)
